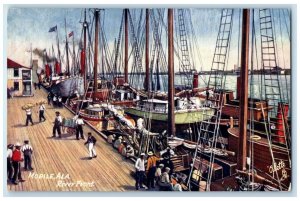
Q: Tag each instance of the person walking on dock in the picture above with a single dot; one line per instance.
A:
(60, 101)
(16, 162)
(57, 125)
(41, 112)
(27, 152)
(151, 169)
(10, 169)
(49, 98)
(28, 116)
(79, 130)
(140, 171)
(91, 141)
(54, 100)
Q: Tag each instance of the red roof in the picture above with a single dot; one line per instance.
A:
(13, 64)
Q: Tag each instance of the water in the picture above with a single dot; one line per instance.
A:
(255, 91)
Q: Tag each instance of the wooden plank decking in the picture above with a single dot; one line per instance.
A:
(109, 171)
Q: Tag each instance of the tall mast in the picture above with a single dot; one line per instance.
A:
(58, 50)
(67, 48)
(74, 55)
(84, 50)
(242, 153)
(147, 80)
(171, 117)
(96, 51)
(126, 46)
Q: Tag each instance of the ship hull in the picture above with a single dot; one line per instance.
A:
(68, 87)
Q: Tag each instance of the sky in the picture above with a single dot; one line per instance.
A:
(30, 26)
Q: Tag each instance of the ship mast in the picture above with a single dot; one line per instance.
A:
(96, 52)
(58, 50)
(242, 153)
(171, 117)
(147, 81)
(126, 46)
(67, 48)
(83, 69)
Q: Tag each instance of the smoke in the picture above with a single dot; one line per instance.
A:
(43, 55)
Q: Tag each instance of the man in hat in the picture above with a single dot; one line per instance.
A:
(165, 180)
(49, 97)
(129, 151)
(28, 116)
(140, 171)
(10, 169)
(27, 152)
(158, 172)
(111, 138)
(91, 141)
(41, 112)
(79, 130)
(57, 125)
(151, 169)
(16, 163)
(118, 142)
(54, 100)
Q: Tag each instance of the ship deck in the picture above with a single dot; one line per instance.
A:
(54, 158)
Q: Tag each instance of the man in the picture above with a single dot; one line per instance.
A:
(41, 112)
(140, 171)
(151, 169)
(91, 141)
(10, 169)
(118, 142)
(60, 101)
(54, 101)
(16, 162)
(57, 125)
(28, 116)
(165, 180)
(129, 151)
(177, 186)
(111, 138)
(27, 152)
(49, 97)
(158, 172)
(79, 130)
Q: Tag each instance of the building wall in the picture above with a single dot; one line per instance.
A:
(12, 79)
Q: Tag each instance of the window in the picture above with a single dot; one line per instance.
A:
(16, 86)
(16, 72)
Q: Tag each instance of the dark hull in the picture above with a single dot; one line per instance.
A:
(68, 87)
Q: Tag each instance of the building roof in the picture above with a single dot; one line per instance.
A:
(13, 64)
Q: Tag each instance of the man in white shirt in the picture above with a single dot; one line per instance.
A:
(41, 112)
(27, 152)
(79, 130)
(28, 116)
(140, 171)
(9, 163)
(57, 125)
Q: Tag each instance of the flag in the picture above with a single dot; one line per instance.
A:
(53, 29)
(71, 34)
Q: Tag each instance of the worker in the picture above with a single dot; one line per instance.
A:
(140, 171)
(111, 138)
(49, 97)
(177, 186)
(129, 151)
(41, 112)
(151, 169)
(10, 169)
(118, 142)
(165, 180)
(28, 116)
(158, 172)
(57, 125)
(79, 130)
(54, 100)
(27, 152)
(60, 101)
(16, 162)
(91, 141)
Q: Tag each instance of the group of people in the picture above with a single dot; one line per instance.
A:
(156, 171)
(41, 112)
(14, 159)
(123, 147)
(55, 99)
